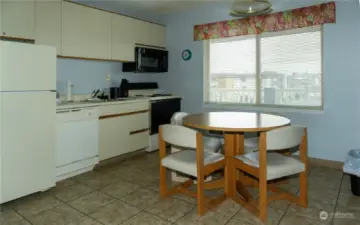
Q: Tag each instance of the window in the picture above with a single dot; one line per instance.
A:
(271, 69)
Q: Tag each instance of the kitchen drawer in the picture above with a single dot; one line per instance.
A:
(123, 108)
(138, 122)
(138, 141)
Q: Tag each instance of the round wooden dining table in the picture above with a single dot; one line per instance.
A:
(233, 125)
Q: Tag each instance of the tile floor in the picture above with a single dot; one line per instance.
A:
(128, 194)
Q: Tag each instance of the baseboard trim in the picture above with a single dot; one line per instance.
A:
(326, 163)
(118, 159)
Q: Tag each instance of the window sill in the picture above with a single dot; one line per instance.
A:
(266, 109)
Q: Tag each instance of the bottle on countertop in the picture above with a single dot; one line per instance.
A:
(69, 91)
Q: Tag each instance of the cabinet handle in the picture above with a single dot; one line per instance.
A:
(139, 131)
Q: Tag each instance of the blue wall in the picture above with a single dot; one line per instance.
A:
(89, 75)
(331, 132)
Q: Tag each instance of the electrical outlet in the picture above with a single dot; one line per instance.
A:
(108, 77)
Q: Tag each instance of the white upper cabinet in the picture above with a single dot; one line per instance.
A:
(122, 41)
(157, 35)
(18, 19)
(147, 33)
(48, 23)
(140, 32)
(86, 32)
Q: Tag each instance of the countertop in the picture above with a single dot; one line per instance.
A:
(85, 104)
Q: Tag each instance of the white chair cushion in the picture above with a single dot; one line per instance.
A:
(212, 144)
(278, 165)
(185, 161)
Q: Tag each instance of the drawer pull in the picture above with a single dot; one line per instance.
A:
(139, 131)
(122, 114)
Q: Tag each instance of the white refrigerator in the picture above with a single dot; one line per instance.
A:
(27, 119)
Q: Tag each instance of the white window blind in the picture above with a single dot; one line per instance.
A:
(279, 68)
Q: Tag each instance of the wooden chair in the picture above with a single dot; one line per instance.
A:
(211, 144)
(197, 164)
(269, 166)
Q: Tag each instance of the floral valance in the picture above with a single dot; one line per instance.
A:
(292, 19)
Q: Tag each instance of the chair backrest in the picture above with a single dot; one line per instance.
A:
(284, 137)
(179, 135)
(177, 118)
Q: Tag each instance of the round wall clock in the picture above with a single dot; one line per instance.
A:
(186, 54)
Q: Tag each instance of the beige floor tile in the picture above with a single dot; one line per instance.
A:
(9, 216)
(96, 179)
(310, 213)
(65, 183)
(346, 222)
(144, 178)
(348, 202)
(68, 193)
(294, 219)
(208, 193)
(144, 218)
(114, 213)
(135, 175)
(84, 221)
(143, 162)
(321, 178)
(22, 222)
(325, 196)
(59, 215)
(210, 218)
(345, 185)
(228, 208)
(170, 209)
(185, 198)
(120, 189)
(34, 204)
(155, 186)
(91, 202)
(246, 218)
(142, 198)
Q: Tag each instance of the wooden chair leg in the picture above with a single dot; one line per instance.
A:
(200, 196)
(163, 184)
(303, 190)
(263, 199)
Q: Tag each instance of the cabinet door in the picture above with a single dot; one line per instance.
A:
(141, 32)
(157, 35)
(122, 42)
(86, 32)
(114, 135)
(48, 23)
(123, 134)
(18, 19)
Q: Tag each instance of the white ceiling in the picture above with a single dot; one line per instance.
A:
(153, 8)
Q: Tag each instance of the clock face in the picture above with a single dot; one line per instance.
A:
(186, 54)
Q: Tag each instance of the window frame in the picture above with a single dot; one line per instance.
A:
(258, 104)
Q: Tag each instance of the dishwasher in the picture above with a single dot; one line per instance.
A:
(77, 143)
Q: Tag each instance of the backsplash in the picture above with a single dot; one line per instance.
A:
(89, 75)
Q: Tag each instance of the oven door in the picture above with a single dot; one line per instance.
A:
(151, 60)
(162, 111)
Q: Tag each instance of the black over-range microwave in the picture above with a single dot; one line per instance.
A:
(148, 60)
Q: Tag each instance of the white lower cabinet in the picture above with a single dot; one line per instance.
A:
(124, 130)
